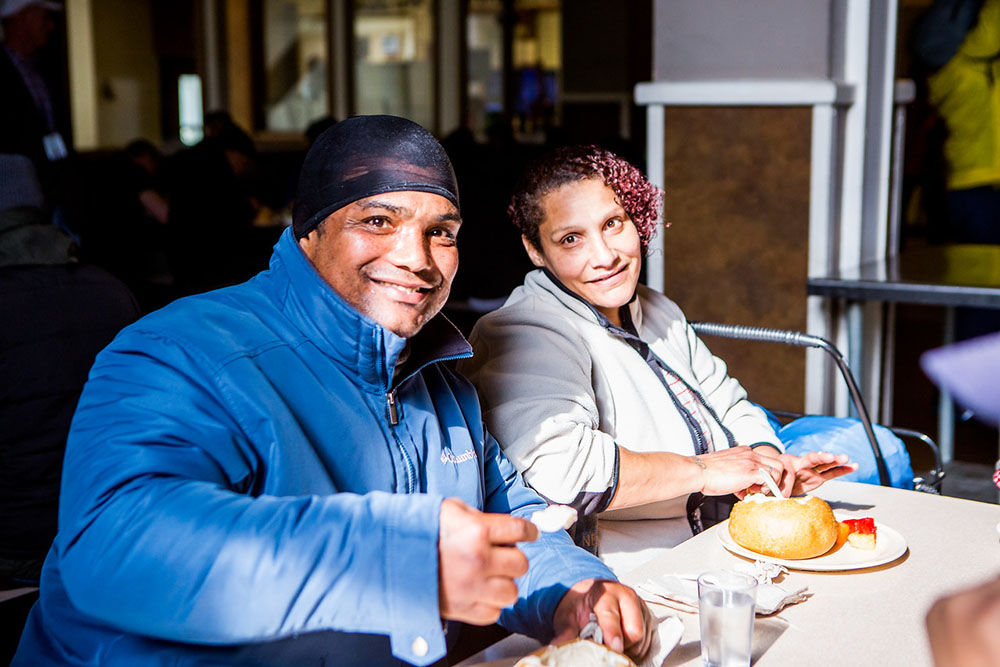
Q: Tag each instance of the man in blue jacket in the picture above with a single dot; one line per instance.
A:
(283, 472)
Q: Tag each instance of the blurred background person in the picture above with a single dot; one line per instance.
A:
(492, 263)
(128, 209)
(213, 192)
(59, 312)
(217, 122)
(964, 91)
(34, 113)
(145, 161)
(28, 122)
(959, 42)
(318, 127)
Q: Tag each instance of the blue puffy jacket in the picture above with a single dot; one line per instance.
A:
(246, 484)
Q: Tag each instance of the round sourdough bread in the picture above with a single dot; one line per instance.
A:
(576, 653)
(792, 528)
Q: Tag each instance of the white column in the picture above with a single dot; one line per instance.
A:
(82, 74)
(213, 90)
(823, 198)
(449, 66)
(340, 58)
(655, 156)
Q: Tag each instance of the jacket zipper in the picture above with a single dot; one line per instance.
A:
(393, 414)
(390, 403)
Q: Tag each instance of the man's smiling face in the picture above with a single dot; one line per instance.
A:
(392, 256)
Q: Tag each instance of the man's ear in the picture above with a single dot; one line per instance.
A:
(533, 254)
(307, 242)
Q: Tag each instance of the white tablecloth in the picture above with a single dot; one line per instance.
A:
(872, 616)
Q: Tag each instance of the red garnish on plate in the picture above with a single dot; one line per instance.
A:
(996, 478)
(862, 535)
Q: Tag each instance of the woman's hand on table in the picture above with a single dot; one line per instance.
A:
(626, 623)
(800, 474)
(737, 470)
(810, 471)
(964, 628)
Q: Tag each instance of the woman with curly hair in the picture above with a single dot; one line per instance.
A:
(596, 386)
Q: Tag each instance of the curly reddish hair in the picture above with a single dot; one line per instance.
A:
(641, 199)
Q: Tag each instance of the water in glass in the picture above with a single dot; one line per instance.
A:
(726, 609)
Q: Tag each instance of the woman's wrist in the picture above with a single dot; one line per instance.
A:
(703, 470)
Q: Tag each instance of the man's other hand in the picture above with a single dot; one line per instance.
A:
(964, 628)
(626, 623)
(478, 562)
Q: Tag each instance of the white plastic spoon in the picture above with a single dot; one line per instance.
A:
(770, 483)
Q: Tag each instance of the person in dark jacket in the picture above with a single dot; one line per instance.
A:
(286, 472)
(212, 187)
(30, 123)
(58, 314)
(34, 111)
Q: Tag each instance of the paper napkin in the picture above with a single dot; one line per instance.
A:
(680, 591)
(668, 633)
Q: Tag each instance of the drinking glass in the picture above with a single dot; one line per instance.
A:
(726, 610)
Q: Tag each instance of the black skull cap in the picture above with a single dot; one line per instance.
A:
(365, 156)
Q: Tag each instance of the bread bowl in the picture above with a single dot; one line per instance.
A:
(789, 528)
(575, 653)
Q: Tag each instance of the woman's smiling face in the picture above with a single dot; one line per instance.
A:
(589, 243)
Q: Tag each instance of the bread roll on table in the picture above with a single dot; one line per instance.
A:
(789, 528)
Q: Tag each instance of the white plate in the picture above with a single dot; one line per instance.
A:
(889, 545)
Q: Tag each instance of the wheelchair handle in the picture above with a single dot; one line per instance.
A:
(799, 339)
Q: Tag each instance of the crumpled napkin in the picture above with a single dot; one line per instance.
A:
(668, 633)
(680, 591)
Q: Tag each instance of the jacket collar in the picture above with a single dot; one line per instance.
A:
(26, 238)
(352, 339)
